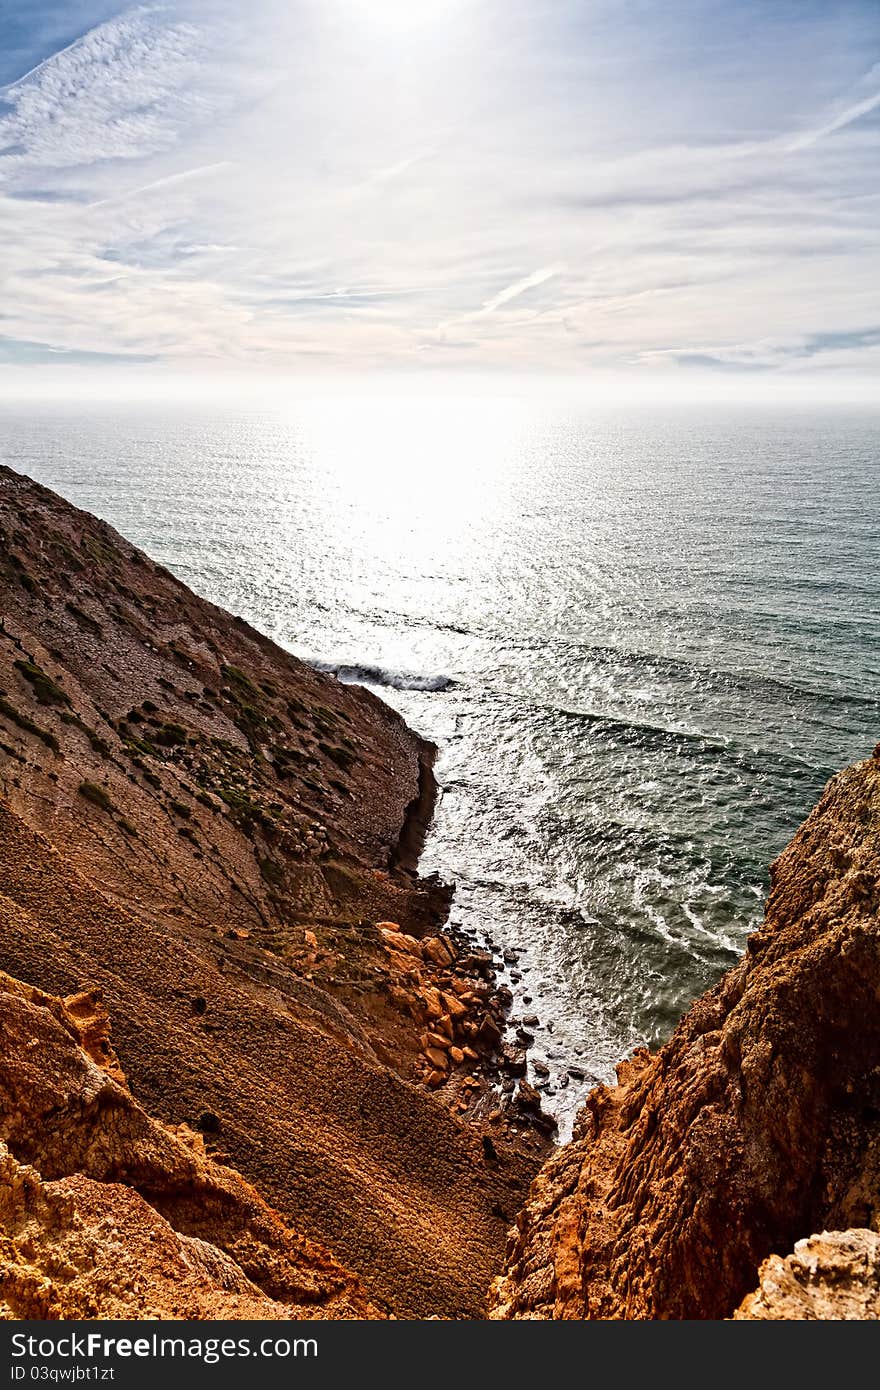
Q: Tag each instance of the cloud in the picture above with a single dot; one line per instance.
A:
(203, 182)
(838, 122)
(16, 352)
(756, 356)
(121, 92)
(530, 282)
(169, 179)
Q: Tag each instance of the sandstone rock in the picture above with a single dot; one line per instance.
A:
(437, 1057)
(401, 943)
(454, 1007)
(432, 1001)
(457, 1055)
(834, 1276)
(439, 950)
(78, 1241)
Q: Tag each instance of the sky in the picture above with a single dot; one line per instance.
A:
(637, 189)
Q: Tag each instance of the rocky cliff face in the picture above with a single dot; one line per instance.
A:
(105, 1212)
(211, 834)
(757, 1124)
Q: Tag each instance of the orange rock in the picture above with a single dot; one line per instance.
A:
(409, 944)
(470, 1054)
(432, 1001)
(438, 950)
(310, 939)
(387, 926)
(454, 1006)
(457, 1055)
(437, 1057)
(435, 1078)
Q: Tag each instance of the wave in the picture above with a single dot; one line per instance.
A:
(356, 674)
(642, 734)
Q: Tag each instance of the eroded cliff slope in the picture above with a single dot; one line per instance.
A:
(756, 1125)
(105, 1212)
(211, 833)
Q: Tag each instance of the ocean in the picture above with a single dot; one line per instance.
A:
(642, 637)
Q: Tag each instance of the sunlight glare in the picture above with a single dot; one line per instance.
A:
(405, 14)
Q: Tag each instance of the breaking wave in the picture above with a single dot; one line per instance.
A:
(381, 676)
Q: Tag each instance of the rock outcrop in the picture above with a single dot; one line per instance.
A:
(105, 1212)
(832, 1277)
(757, 1123)
(208, 832)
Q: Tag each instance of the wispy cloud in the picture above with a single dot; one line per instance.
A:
(166, 182)
(529, 282)
(838, 122)
(203, 182)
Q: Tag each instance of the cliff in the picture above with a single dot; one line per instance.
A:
(216, 838)
(757, 1124)
(105, 1212)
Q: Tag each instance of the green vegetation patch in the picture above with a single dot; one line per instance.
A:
(342, 757)
(45, 689)
(99, 796)
(99, 550)
(271, 872)
(28, 725)
(236, 677)
(98, 744)
(83, 619)
(170, 735)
